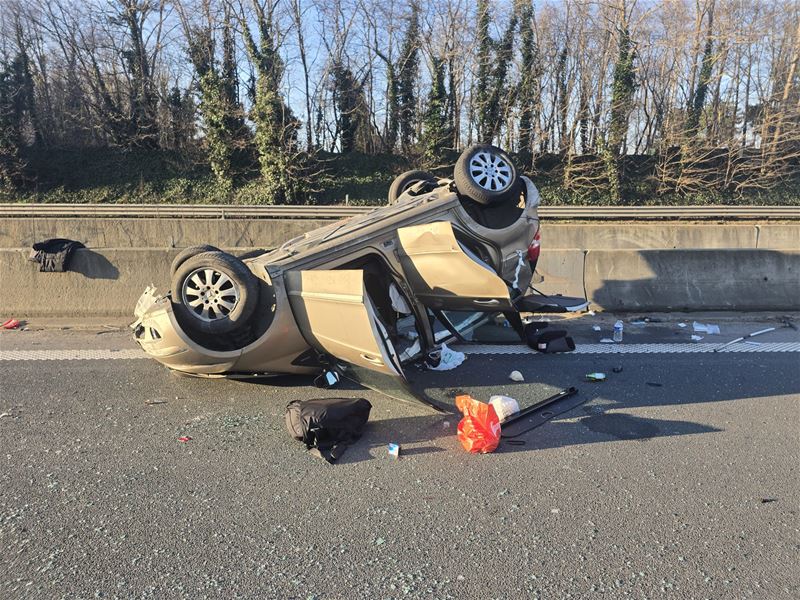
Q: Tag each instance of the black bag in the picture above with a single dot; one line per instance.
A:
(327, 425)
(549, 341)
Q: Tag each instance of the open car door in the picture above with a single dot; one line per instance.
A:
(445, 275)
(336, 316)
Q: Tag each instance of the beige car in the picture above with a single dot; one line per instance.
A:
(366, 295)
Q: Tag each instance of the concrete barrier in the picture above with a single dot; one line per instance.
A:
(625, 280)
(562, 271)
(779, 236)
(269, 233)
(108, 282)
(621, 236)
(156, 233)
(98, 284)
(618, 266)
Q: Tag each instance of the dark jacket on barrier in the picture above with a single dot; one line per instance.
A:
(53, 255)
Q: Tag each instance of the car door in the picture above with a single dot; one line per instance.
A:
(336, 316)
(446, 275)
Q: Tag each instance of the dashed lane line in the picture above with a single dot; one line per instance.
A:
(101, 354)
(692, 348)
(696, 348)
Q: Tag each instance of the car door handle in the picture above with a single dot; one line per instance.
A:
(373, 359)
(491, 302)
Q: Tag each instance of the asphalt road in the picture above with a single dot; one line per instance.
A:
(684, 490)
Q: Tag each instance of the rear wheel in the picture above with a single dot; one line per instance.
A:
(405, 180)
(487, 175)
(214, 293)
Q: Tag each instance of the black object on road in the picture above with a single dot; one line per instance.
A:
(53, 255)
(327, 425)
(548, 341)
(533, 408)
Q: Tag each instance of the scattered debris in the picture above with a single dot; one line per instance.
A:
(448, 359)
(697, 338)
(768, 500)
(11, 324)
(595, 376)
(618, 326)
(479, 430)
(789, 323)
(705, 328)
(591, 313)
(617, 369)
(152, 401)
(744, 337)
(445, 424)
(504, 406)
(516, 376)
(394, 450)
(326, 379)
(654, 384)
(606, 341)
(380, 541)
(681, 325)
(638, 323)
(645, 320)
(4, 415)
(596, 327)
(185, 438)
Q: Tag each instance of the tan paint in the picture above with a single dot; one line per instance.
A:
(334, 312)
(440, 272)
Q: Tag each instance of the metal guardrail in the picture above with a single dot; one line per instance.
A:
(217, 211)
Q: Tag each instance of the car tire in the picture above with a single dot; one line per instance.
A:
(214, 293)
(189, 252)
(487, 175)
(405, 180)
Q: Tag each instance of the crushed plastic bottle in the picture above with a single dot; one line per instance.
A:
(618, 331)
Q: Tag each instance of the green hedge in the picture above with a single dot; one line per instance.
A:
(154, 177)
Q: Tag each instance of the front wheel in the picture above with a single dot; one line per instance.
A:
(188, 253)
(214, 293)
(487, 175)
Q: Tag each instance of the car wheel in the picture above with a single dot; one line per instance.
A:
(189, 253)
(405, 180)
(214, 293)
(487, 175)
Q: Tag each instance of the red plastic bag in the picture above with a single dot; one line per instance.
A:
(479, 430)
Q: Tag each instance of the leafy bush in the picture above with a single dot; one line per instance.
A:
(153, 177)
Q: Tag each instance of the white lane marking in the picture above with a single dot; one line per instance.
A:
(71, 354)
(634, 348)
(132, 354)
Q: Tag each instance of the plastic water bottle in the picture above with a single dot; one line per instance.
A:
(618, 331)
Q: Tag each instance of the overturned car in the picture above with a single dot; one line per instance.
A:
(365, 296)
